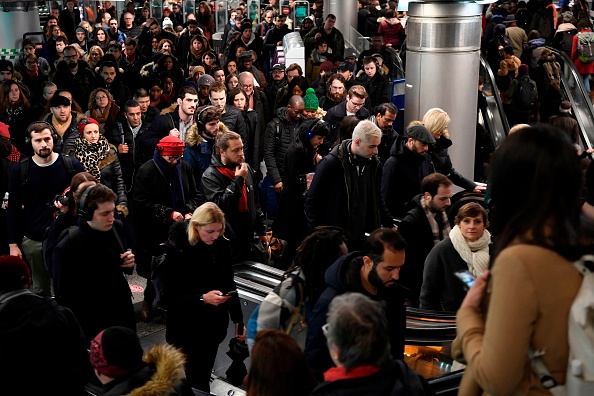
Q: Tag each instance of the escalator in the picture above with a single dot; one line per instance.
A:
(493, 118)
(429, 334)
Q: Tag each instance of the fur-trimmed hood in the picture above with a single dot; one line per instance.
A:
(193, 137)
(169, 109)
(163, 375)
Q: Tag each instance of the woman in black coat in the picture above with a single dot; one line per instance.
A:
(199, 291)
(100, 159)
(290, 223)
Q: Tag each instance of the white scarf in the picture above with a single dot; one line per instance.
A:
(475, 254)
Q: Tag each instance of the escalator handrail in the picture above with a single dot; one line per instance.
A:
(496, 94)
(560, 55)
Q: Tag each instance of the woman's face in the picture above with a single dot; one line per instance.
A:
(166, 47)
(233, 82)
(239, 101)
(197, 45)
(31, 65)
(472, 228)
(208, 60)
(56, 31)
(309, 113)
(239, 51)
(155, 43)
(316, 140)
(297, 90)
(80, 36)
(210, 233)
(95, 56)
(91, 133)
(101, 35)
(145, 12)
(232, 67)
(102, 100)
(14, 94)
(49, 92)
(168, 85)
(323, 48)
(29, 49)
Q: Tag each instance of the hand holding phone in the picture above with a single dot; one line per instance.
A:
(467, 279)
(229, 293)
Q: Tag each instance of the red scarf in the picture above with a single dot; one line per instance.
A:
(243, 201)
(340, 373)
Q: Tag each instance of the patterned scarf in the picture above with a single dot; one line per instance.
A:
(433, 223)
(475, 254)
(90, 154)
(101, 116)
(230, 174)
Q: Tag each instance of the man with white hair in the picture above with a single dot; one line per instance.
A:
(345, 190)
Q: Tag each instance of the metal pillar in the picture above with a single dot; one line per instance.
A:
(346, 18)
(442, 68)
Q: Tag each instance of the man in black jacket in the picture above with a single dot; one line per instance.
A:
(274, 36)
(385, 115)
(229, 182)
(423, 227)
(174, 123)
(280, 133)
(345, 191)
(408, 164)
(75, 76)
(110, 79)
(69, 19)
(352, 105)
(373, 272)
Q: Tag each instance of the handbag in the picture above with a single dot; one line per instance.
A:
(297, 326)
(274, 247)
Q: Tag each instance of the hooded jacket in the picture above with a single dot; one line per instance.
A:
(198, 151)
(163, 374)
(341, 277)
(403, 173)
(330, 197)
(280, 133)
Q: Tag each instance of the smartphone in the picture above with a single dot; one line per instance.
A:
(240, 329)
(466, 278)
(230, 293)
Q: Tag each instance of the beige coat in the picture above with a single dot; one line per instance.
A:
(530, 292)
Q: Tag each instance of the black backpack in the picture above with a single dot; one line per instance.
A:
(526, 95)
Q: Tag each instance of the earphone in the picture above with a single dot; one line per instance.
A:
(199, 123)
(55, 136)
(81, 204)
(310, 133)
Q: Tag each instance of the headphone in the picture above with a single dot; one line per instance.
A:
(310, 133)
(87, 215)
(55, 136)
(199, 123)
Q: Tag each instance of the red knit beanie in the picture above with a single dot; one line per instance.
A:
(170, 145)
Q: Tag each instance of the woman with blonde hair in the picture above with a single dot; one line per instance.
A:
(102, 108)
(437, 121)
(94, 56)
(200, 292)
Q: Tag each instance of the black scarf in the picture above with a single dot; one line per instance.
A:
(174, 178)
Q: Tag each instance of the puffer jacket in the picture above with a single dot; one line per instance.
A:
(111, 176)
(198, 151)
(280, 133)
(65, 143)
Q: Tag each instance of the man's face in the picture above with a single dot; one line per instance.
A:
(60, 47)
(247, 83)
(233, 156)
(366, 149)
(188, 104)
(211, 128)
(440, 201)
(352, 60)
(128, 20)
(354, 104)
(144, 103)
(329, 23)
(245, 64)
(246, 35)
(370, 69)
(103, 217)
(42, 143)
(5, 75)
(61, 112)
(268, 17)
(295, 112)
(175, 8)
(192, 28)
(279, 22)
(172, 160)
(80, 36)
(29, 49)
(376, 43)
(116, 52)
(292, 74)
(106, 18)
(219, 75)
(416, 146)
(387, 271)
(55, 12)
(134, 116)
(155, 29)
(277, 74)
(346, 74)
(218, 99)
(386, 120)
(70, 6)
(337, 91)
(203, 91)
(130, 50)
(108, 74)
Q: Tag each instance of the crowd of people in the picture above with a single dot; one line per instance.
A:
(135, 142)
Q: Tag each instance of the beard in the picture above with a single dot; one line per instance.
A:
(376, 281)
(44, 153)
(336, 97)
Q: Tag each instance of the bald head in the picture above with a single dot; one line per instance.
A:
(246, 82)
(296, 101)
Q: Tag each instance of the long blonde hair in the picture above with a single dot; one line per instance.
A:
(436, 120)
(206, 214)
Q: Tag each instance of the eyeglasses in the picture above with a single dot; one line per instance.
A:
(174, 157)
(31, 63)
(246, 86)
(100, 97)
(357, 104)
(325, 329)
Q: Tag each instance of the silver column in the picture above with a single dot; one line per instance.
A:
(346, 18)
(442, 68)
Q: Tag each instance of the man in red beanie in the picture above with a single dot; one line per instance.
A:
(42, 346)
(164, 193)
